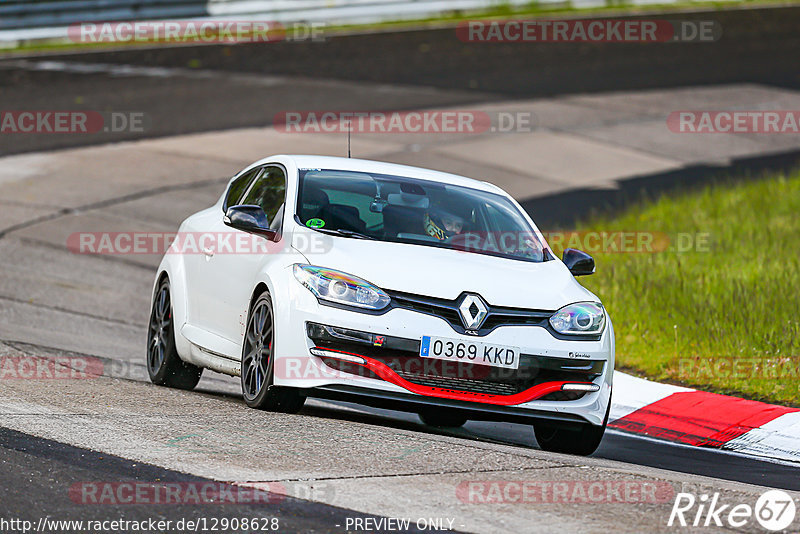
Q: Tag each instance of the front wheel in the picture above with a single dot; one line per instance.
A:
(164, 366)
(258, 363)
(581, 440)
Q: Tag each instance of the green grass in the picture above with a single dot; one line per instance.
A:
(677, 315)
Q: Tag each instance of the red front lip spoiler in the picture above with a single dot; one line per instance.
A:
(386, 373)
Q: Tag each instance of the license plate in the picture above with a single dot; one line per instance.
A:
(469, 352)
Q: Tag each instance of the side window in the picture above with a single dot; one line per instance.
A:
(269, 192)
(238, 188)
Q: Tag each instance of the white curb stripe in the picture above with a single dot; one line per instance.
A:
(632, 393)
(780, 438)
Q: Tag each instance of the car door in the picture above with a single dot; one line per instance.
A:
(232, 271)
(198, 256)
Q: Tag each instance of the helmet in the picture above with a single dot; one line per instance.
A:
(442, 224)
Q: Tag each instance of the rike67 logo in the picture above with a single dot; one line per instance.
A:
(774, 510)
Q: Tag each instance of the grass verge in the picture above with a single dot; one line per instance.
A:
(721, 315)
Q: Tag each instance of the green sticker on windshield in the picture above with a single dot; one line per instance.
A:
(315, 223)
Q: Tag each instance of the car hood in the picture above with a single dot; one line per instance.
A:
(444, 273)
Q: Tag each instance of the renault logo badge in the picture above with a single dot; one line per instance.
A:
(473, 311)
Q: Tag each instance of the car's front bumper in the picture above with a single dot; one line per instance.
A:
(392, 374)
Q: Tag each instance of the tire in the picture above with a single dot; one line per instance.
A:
(580, 440)
(442, 418)
(258, 363)
(164, 365)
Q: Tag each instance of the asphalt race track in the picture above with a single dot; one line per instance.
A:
(334, 462)
(50, 466)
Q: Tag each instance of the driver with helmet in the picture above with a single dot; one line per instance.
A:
(443, 224)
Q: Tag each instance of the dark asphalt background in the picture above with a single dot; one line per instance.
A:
(37, 474)
(757, 45)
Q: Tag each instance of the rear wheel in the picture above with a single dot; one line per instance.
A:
(164, 365)
(258, 363)
(582, 439)
(442, 419)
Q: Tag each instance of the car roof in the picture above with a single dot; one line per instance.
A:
(379, 167)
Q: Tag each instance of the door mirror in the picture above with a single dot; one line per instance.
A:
(250, 219)
(578, 262)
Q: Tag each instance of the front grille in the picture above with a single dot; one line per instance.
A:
(498, 319)
(447, 310)
(461, 384)
(449, 314)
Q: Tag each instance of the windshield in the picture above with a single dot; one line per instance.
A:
(405, 210)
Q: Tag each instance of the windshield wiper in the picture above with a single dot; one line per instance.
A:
(345, 233)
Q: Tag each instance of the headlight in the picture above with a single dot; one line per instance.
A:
(341, 288)
(580, 318)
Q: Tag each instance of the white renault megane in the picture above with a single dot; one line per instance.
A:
(386, 285)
